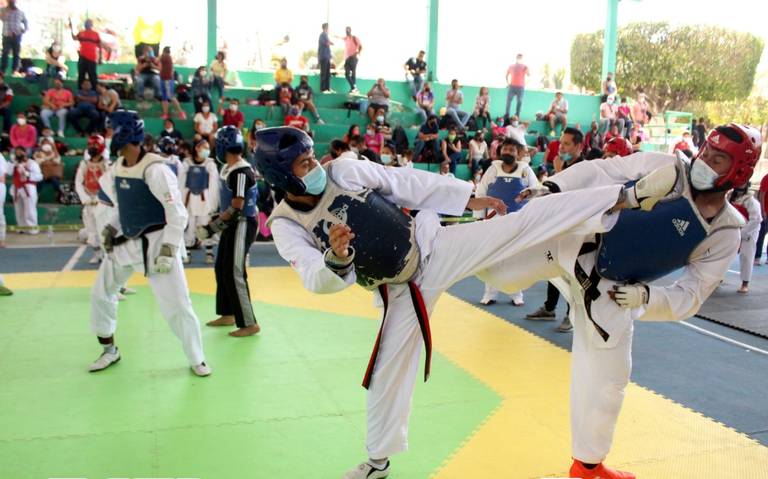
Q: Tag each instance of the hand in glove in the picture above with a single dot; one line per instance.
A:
(204, 232)
(108, 234)
(652, 187)
(630, 296)
(164, 261)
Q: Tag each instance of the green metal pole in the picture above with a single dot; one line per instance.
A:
(610, 40)
(432, 41)
(211, 50)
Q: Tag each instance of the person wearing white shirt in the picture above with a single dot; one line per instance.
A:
(26, 174)
(748, 206)
(87, 187)
(5, 170)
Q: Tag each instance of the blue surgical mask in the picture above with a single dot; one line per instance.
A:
(566, 157)
(702, 176)
(315, 180)
(386, 159)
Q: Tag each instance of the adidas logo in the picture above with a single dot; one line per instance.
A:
(680, 225)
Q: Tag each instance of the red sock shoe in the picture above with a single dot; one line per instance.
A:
(598, 472)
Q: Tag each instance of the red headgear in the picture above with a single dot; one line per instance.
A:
(96, 142)
(744, 153)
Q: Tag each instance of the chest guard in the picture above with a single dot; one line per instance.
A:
(197, 179)
(93, 172)
(137, 206)
(250, 208)
(385, 244)
(104, 198)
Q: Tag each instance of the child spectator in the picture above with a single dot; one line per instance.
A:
(23, 135)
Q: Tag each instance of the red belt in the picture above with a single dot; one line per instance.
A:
(423, 318)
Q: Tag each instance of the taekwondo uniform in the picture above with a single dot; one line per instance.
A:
(26, 175)
(87, 188)
(5, 170)
(200, 192)
(749, 207)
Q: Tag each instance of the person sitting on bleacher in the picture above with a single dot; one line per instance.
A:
(201, 88)
(232, 116)
(451, 149)
(558, 113)
(425, 100)
(482, 107)
(54, 64)
(283, 74)
(284, 97)
(378, 96)
(57, 100)
(109, 101)
(303, 93)
(453, 100)
(147, 71)
(22, 134)
(354, 130)
(593, 138)
(169, 129)
(426, 148)
(373, 139)
(382, 126)
(206, 123)
(477, 159)
(87, 99)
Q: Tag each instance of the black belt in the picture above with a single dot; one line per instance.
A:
(588, 284)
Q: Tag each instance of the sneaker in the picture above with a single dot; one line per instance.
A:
(60, 134)
(757, 260)
(182, 115)
(105, 360)
(202, 370)
(95, 259)
(565, 326)
(367, 471)
(164, 116)
(320, 121)
(598, 472)
(127, 291)
(517, 303)
(120, 297)
(209, 258)
(487, 302)
(5, 291)
(743, 290)
(541, 314)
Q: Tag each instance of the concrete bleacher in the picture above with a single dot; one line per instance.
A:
(331, 108)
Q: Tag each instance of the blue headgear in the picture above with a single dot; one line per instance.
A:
(167, 145)
(276, 149)
(127, 127)
(228, 139)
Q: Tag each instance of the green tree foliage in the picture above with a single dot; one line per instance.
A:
(674, 65)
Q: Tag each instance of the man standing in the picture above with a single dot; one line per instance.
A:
(90, 52)
(762, 198)
(516, 84)
(237, 224)
(352, 48)
(144, 234)
(324, 57)
(14, 26)
(415, 70)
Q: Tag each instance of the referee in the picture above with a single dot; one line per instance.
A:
(238, 225)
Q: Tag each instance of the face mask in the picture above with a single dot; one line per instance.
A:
(48, 137)
(233, 107)
(204, 153)
(56, 48)
(46, 148)
(169, 130)
(451, 137)
(386, 159)
(354, 150)
(702, 176)
(566, 157)
(314, 181)
(371, 132)
(508, 159)
(380, 119)
(21, 157)
(258, 127)
(21, 121)
(206, 109)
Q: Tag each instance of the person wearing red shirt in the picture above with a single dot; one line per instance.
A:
(762, 198)
(23, 135)
(232, 116)
(294, 119)
(90, 51)
(516, 84)
(167, 87)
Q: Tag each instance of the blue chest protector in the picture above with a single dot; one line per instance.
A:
(104, 198)
(139, 209)
(646, 245)
(197, 179)
(250, 208)
(174, 167)
(506, 188)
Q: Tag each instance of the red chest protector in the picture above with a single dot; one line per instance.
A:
(93, 172)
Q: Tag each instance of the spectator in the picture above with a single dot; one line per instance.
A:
(685, 145)
(493, 151)
(640, 110)
(257, 125)
(47, 156)
(169, 129)
(232, 116)
(593, 138)
(405, 159)
(425, 101)
(283, 74)
(478, 153)
(109, 101)
(354, 130)
(445, 169)
(762, 198)
(295, 119)
(571, 149)
(57, 100)
(608, 115)
(340, 149)
(352, 49)
(304, 94)
(426, 146)
(382, 126)
(356, 144)
(54, 64)
(515, 130)
(623, 112)
(201, 88)
(415, 71)
(219, 71)
(378, 96)
(324, 57)
(23, 135)
(167, 86)
(388, 156)
(373, 139)
(147, 71)
(206, 123)
(516, 84)
(451, 149)
(609, 86)
(695, 133)
(86, 106)
(14, 26)
(453, 100)
(90, 51)
(635, 138)
(482, 107)
(6, 98)
(558, 113)
(612, 133)
(26, 174)
(285, 97)
(701, 127)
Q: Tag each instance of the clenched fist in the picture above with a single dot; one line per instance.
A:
(340, 236)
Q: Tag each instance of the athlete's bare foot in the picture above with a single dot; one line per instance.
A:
(222, 321)
(247, 331)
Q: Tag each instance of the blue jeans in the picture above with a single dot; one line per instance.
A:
(86, 110)
(424, 113)
(455, 158)
(418, 148)
(141, 84)
(515, 91)
(460, 118)
(416, 83)
(10, 45)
